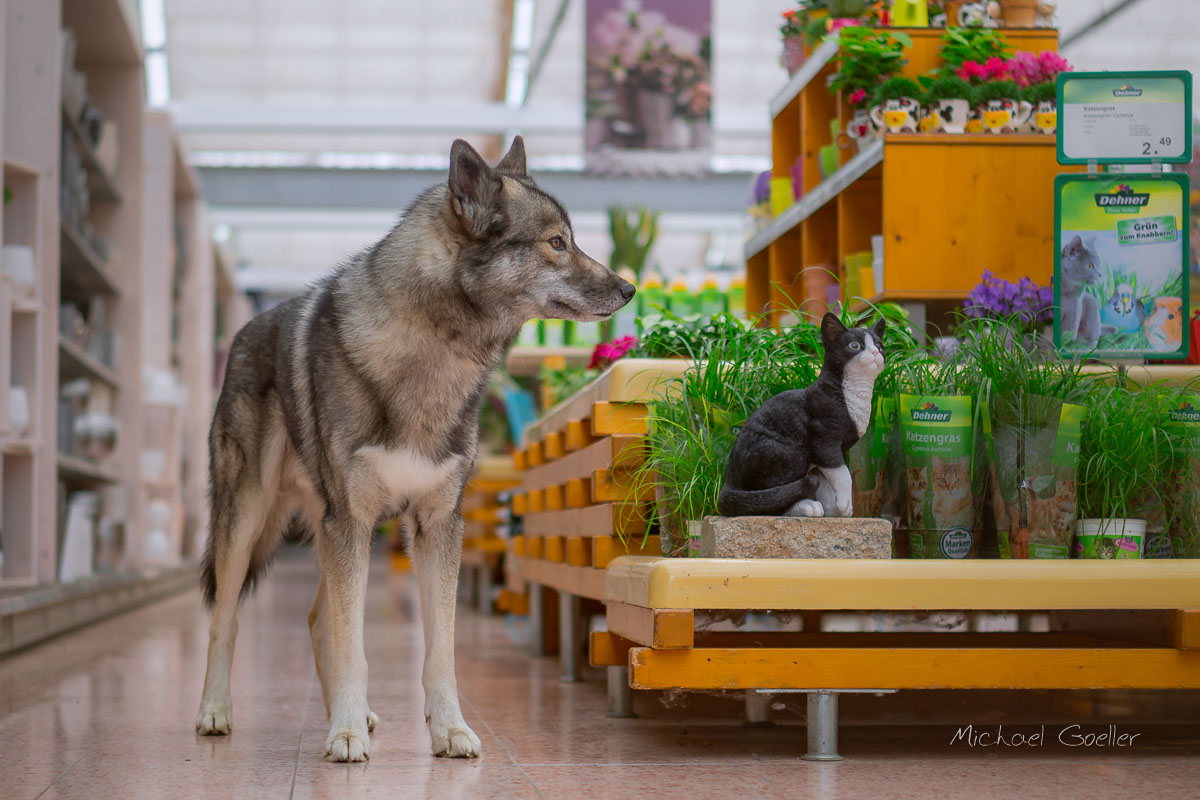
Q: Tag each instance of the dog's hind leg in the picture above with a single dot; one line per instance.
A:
(344, 551)
(437, 547)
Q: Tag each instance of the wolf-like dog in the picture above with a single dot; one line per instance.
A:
(359, 401)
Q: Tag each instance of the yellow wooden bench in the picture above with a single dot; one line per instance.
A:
(652, 602)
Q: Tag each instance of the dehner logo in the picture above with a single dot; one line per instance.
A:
(1121, 200)
(1127, 91)
(1185, 413)
(930, 413)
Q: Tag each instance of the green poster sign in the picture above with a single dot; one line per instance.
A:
(1121, 271)
(1125, 117)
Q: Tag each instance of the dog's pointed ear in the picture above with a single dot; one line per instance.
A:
(831, 327)
(514, 160)
(474, 190)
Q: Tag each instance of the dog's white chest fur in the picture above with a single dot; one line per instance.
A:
(383, 478)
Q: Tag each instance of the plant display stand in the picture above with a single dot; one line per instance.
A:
(652, 603)
(577, 501)
(945, 203)
(483, 512)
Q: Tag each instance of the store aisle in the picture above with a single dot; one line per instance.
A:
(107, 713)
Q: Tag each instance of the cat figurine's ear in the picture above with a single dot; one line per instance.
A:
(878, 329)
(831, 327)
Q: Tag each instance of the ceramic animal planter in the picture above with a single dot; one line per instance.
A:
(975, 120)
(897, 115)
(860, 129)
(1045, 119)
(1005, 115)
(950, 115)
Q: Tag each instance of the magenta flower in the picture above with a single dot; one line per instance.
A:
(843, 22)
(857, 96)
(607, 352)
(1052, 64)
(971, 70)
(995, 68)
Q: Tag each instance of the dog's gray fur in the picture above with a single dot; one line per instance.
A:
(359, 401)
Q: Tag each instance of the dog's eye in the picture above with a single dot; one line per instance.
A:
(557, 243)
(855, 346)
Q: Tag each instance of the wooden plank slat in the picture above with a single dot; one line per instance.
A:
(520, 504)
(521, 460)
(537, 501)
(534, 455)
(581, 581)
(606, 548)
(553, 448)
(578, 492)
(535, 547)
(606, 649)
(554, 498)
(652, 627)
(556, 549)
(1185, 629)
(914, 668)
(517, 546)
(579, 552)
(578, 434)
(611, 419)
(619, 486)
(513, 602)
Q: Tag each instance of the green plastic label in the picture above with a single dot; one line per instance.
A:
(1048, 551)
(1066, 441)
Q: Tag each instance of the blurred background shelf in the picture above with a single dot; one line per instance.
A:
(83, 271)
(79, 472)
(73, 362)
(101, 184)
(527, 360)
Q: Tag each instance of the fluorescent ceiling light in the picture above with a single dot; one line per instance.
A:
(154, 25)
(158, 79)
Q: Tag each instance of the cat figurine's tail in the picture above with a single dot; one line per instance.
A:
(765, 502)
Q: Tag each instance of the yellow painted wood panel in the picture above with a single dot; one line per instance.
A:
(535, 546)
(1185, 629)
(757, 282)
(606, 549)
(534, 456)
(554, 446)
(618, 486)
(520, 504)
(578, 434)
(579, 552)
(579, 492)
(518, 545)
(519, 460)
(556, 550)
(608, 650)
(652, 627)
(537, 501)
(610, 419)
(914, 668)
(797, 584)
(956, 205)
(554, 498)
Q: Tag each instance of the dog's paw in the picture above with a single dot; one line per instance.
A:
(456, 742)
(214, 720)
(372, 721)
(347, 745)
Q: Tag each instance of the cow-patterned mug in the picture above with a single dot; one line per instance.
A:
(897, 115)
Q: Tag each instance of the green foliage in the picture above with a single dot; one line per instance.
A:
(971, 44)
(8, 195)
(868, 56)
(632, 238)
(998, 90)
(1041, 92)
(947, 87)
(895, 88)
(564, 382)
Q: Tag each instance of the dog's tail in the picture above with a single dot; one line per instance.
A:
(260, 561)
(765, 502)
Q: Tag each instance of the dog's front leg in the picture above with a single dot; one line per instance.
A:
(437, 545)
(344, 548)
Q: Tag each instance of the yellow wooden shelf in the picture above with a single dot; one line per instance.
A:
(785, 584)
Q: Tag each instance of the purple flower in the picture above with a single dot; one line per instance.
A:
(995, 298)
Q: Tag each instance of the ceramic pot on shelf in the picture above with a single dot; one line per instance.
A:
(1109, 538)
(897, 115)
(951, 115)
(794, 55)
(1019, 13)
(860, 129)
(1005, 115)
(1045, 117)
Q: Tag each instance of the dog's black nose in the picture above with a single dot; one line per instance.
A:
(627, 289)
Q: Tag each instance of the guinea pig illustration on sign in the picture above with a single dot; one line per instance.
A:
(1164, 326)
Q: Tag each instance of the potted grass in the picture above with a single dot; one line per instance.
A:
(1182, 419)
(897, 107)
(1120, 473)
(1001, 107)
(868, 57)
(948, 101)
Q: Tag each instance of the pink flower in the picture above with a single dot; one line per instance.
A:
(970, 70)
(857, 96)
(842, 22)
(607, 352)
(1052, 64)
(995, 68)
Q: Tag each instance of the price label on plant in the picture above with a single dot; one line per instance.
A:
(1121, 277)
(1125, 117)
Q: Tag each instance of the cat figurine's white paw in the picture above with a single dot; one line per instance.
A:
(805, 508)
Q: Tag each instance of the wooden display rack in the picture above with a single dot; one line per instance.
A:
(652, 602)
(949, 206)
(576, 499)
(484, 514)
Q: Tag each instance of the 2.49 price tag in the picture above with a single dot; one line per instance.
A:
(1124, 117)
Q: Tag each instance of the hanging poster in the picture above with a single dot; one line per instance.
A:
(1121, 277)
(649, 87)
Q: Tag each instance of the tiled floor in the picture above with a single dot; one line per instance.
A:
(107, 713)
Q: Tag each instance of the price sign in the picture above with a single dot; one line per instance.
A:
(1125, 117)
(1121, 282)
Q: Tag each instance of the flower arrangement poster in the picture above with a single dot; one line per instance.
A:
(1121, 276)
(648, 87)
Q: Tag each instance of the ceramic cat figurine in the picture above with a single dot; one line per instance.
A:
(1080, 310)
(952, 505)
(1164, 326)
(790, 456)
